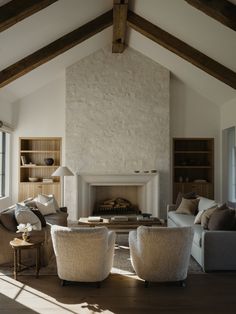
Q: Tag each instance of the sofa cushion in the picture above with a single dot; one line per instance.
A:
(24, 215)
(223, 218)
(8, 219)
(181, 220)
(188, 206)
(60, 218)
(189, 195)
(197, 238)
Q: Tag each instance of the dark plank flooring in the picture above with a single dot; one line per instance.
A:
(204, 293)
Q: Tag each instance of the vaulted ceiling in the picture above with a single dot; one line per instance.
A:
(195, 41)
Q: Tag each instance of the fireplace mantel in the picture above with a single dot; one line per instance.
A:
(148, 190)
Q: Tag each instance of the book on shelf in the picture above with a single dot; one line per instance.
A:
(47, 180)
(94, 219)
(23, 160)
(120, 218)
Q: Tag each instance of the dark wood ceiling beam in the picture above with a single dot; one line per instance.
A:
(17, 10)
(56, 48)
(220, 10)
(120, 9)
(181, 49)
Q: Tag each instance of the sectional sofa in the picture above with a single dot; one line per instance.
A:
(8, 228)
(214, 250)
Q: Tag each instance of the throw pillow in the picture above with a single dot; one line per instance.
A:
(188, 206)
(24, 215)
(205, 217)
(198, 217)
(8, 219)
(47, 204)
(40, 216)
(189, 195)
(223, 218)
(205, 203)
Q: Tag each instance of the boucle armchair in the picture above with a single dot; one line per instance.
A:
(83, 254)
(161, 254)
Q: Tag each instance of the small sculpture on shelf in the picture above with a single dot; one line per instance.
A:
(49, 161)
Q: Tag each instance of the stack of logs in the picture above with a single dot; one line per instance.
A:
(116, 206)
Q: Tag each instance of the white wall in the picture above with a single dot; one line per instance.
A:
(6, 115)
(228, 114)
(41, 113)
(117, 117)
(195, 116)
(5, 111)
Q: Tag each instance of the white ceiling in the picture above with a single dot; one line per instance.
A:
(176, 17)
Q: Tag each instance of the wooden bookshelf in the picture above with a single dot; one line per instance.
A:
(32, 154)
(193, 166)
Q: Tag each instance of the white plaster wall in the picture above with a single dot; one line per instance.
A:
(6, 115)
(117, 117)
(192, 115)
(5, 111)
(41, 113)
(228, 114)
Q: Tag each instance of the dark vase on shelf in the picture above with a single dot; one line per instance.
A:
(49, 161)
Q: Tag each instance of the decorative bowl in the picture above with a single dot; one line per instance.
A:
(33, 179)
(49, 161)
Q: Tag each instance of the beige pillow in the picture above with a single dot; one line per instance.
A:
(197, 219)
(47, 204)
(188, 206)
(206, 216)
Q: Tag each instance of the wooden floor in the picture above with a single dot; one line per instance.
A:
(205, 293)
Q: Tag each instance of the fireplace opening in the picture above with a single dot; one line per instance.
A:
(141, 190)
(115, 200)
(116, 206)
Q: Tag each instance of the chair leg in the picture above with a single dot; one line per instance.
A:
(146, 284)
(63, 283)
(182, 283)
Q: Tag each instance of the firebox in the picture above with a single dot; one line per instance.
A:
(141, 190)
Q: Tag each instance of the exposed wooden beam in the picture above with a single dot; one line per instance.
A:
(220, 10)
(182, 49)
(55, 48)
(120, 9)
(17, 10)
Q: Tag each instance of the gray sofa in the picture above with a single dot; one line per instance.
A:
(8, 227)
(213, 250)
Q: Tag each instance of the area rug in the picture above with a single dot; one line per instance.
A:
(121, 265)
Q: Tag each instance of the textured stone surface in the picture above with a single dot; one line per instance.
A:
(117, 117)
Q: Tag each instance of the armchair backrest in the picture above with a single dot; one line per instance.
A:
(161, 253)
(81, 251)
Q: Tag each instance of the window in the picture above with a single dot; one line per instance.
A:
(2, 164)
(229, 165)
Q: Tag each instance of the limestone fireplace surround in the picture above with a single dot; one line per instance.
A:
(146, 185)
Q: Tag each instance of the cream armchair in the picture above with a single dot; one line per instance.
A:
(161, 254)
(83, 254)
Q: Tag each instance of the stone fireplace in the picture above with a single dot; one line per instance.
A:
(140, 189)
(117, 124)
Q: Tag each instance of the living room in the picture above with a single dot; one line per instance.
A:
(118, 113)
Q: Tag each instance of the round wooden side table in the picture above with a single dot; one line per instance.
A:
(18, 245)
